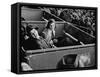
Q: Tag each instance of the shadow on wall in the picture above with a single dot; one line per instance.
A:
(72, 61)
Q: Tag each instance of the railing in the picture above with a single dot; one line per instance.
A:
(29, 52)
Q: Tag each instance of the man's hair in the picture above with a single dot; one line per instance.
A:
(36, 28)
(28, 29)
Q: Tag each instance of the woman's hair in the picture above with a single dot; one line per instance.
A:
(49, 23)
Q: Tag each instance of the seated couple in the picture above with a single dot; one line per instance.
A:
(35, 41)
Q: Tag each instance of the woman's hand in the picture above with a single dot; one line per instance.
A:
(53, 33)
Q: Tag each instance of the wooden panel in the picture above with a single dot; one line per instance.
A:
(31, 14)
(49, 59)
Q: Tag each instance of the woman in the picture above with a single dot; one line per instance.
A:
(49, 32)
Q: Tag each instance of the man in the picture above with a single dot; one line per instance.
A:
(31, 43)
(39, 40)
